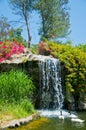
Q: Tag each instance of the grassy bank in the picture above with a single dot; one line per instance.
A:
(15, 97)
(15, 111)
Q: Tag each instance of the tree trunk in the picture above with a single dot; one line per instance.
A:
(28, 31)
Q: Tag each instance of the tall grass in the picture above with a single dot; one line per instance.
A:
(15, 86)
(16, 91)
(16, 110)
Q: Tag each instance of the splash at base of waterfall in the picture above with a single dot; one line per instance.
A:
(54, 113)
(61, 114)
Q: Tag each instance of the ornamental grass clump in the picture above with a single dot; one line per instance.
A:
(15, 86)
(16, 91)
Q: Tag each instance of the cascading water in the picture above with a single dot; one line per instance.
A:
(51, 96)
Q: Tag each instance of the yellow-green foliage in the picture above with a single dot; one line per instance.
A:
(82, 47)
(74, 61)
(33, 48)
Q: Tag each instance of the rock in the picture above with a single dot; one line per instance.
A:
(24, 57)
(25, 120)
(82, 106)
(14, 123)
(26, 50)
(17, 123)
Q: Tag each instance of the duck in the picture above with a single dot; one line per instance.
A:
(77, 120)
(61, 116)
(73, 116)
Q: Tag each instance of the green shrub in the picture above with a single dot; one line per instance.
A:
(16, 110)
(82, 47)
(15, 86)
(27, 106)
(33, 48)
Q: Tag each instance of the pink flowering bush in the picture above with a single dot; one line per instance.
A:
(43, 48)
(9, 48)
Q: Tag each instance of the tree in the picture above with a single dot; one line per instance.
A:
(15, 34)
(7, 32)
(4, 28)
(54, 17)
(22, 8)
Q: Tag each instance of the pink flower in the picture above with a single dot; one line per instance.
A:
(8, 55)
(1, 42)
(9, 48)
(1, 59)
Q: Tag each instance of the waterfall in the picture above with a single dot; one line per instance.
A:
(51, 96)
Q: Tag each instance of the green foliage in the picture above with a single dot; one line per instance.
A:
(15, 34)
(7, 32)
(16, 91)
(33, 49)
(16, 110)
(4, 28)
(23, 8)
(54, 18)
(27, 106)
(74, 61)
(82, 47)
(15, 86)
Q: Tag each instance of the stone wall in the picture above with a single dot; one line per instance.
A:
(5, 67)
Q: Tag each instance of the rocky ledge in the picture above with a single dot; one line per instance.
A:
(19, 122)
(27, 55)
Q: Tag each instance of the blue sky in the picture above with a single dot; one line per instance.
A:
(77, 21)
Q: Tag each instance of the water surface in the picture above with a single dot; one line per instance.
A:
(54, 123)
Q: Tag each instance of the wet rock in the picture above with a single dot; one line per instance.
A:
(82, 106)
(25, 120)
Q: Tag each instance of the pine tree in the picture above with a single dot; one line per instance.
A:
(54, 18)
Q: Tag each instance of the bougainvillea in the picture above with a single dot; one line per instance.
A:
(9, 48)
(43, 48)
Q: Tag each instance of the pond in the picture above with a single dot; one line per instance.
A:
(52, 122)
